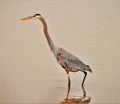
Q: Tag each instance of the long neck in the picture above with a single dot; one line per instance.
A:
(49, 40)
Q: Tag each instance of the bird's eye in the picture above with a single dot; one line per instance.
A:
(36, 15)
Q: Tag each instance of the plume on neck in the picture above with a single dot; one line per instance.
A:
(49, 40)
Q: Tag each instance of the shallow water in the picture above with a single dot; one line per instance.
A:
(89, 29)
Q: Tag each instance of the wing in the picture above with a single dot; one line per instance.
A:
(72, 62)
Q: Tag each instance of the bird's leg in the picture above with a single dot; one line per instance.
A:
(68, 91)
(84, 92)
(69, 83)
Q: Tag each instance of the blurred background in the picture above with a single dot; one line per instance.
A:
(89, 29)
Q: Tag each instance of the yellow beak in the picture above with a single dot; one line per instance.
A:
(27, 18)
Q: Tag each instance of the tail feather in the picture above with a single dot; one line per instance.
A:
(88, 68)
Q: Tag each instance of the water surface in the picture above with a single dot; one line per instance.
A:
(89, 29)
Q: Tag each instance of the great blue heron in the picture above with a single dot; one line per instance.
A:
(68, 61)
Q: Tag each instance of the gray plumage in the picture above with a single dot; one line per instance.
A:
(71, 62)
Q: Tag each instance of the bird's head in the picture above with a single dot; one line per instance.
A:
(35, 16)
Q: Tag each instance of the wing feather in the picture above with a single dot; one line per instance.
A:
(73, 63)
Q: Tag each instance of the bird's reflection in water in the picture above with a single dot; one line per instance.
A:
(76, 100)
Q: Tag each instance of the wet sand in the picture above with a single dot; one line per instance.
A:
(29, 72)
